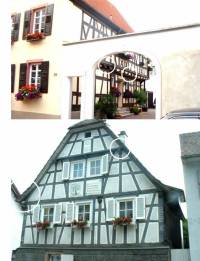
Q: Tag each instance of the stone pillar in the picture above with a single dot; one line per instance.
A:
(87, 97)
(120, 98)
(66, 98)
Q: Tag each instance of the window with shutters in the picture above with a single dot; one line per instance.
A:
(36, 73)
(83, 212)
(38, 21)
(95, 167)
(78, 169)
(126, 208)
(48, 214)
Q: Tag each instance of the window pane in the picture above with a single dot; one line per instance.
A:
(81, 208)
(122, 213)
(87, 208)
(129, 213)
(129, 204)
(122, 205)
(80, 217)
(87, 216)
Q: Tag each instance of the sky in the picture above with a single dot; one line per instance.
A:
(145, 14)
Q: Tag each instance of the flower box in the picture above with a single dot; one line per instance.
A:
(43, 225)
(80, 224)
(122, 221)
(28, 92)
(35, 36)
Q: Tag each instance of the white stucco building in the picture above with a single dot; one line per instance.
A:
(190, 152)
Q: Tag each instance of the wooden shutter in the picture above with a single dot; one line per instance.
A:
(27, 23)
(44, 77)
(57, 215)
(22, 74)
(110, 209)
(49, 19)
(140, 208)
(36, 215)
(16, 24)
(104, 164)
(69, 212)
(12, 77)
(66, 170)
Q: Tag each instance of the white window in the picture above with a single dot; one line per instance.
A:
(126, 208)
(48, 214)
(95, 167)
(39, 20)
(83, 212)
(78, 170)
(35, 74)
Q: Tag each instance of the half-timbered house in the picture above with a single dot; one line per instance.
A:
(39, 28)
(94, 200)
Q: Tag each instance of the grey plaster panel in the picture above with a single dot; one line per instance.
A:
(125, 168)
(66, 236)
(144, 182)
(112, 185)
(35, 194)
(50, 236)
(110, 231)
(77, 148)
(47, 193)
(152, 235)
(97, 144)
(87, 236)
(59, 191)
(81, 136)
(95, 234)
(65, 151)
(73, 137)
(131, 234)
(52, 168)
(141, 227)
(114, 169)
(76, 189)
(95, 133)
(58, 231)
(148, 198)
(44, 179)
(154, 213)
(103, 218)
(128, 183)
(34, 233)
(156, 199)
(147, 211)
(51, 178)
(96, 217)
(59, 165)
(77, 236)
(41, 237)
(103, 132)
(108, 140)
(103, 239)
(59, 176)
(28, 220)
(119, 234)
(134, 166)
(28, 236)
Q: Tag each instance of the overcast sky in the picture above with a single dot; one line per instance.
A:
(146, 14)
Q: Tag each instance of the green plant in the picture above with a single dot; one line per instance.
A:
(135, 110)
(107, 106)
(140, 96)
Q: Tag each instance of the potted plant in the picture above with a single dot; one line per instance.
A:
(122, 221)
(107, 106)
(79, 223)
(28, 92)
(42, 225)
(135, 110)
(35, 36)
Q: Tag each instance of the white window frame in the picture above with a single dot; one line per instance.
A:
(77, 204)
(95, 160)
(133, 199)
(72, 169)
(40, 17)
(89, 167)
(36, 77)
